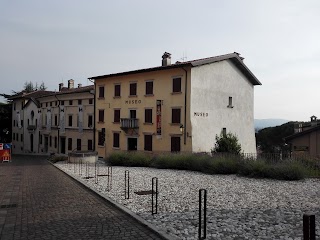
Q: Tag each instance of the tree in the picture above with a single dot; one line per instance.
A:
(270, 139)
(227, 143)
(42, 87)
(28, 87)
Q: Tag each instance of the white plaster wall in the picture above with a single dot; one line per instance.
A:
(211, 87)
(27, 115)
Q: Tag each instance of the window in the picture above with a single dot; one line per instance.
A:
(46, 104)
(148, 142)
(70, 144)
(14, 106)
(176, 115)
(55, 142)
(50, 104)
(21, 139)
(176, 86)
(70, 121)
(90, 101)
(101, 115)
(61, 103)
(101, 92)
(230, 103)
(56, 120)
(116, 140)
(56, 103)
(149, 88)
(90, 145)
(101, 137)
(117, 90)
(148, 115)
(133, 89)
(41, 139)
(50, 141)
(14, 136)
(90, 121)
(175, 144)
(70, 102)
(116, 117)
(133, 113)
(21, 123)
(79, 102)
(78, 144)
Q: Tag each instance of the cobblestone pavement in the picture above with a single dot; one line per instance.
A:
(40, 202)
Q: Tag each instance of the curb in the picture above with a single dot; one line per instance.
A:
(127, 211)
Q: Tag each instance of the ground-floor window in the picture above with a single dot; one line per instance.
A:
(116, 140)
(175, 144)
(78, 144)
(90, 146)
(148, 142)
(101, 137)
(70, 144)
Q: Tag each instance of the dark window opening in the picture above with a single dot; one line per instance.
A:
(176, 115)
(148, 142)
(133, 89)
(148, 115)
(176, 85)
(149, 88)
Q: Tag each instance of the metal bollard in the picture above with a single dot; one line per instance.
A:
(202, 195)
(109, 186)
(126, 184)
(154, 196)
(309, 227)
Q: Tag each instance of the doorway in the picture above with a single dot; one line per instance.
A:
(63, 145)
(46, 144)
(31, 142)
(132, 144)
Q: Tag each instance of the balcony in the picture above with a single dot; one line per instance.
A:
(32, 127)
(129, 123)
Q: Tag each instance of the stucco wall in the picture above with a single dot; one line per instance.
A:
(162, 90)
(211, 87)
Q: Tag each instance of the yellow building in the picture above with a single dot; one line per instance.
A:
(175, 107)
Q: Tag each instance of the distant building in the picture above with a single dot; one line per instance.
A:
(176, 107)
(25, 125)
(306, 138)
(53, 122)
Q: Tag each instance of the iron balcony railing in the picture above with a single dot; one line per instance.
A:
(31, 127)
(129, 123)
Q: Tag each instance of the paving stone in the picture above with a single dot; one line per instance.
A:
(50, 205)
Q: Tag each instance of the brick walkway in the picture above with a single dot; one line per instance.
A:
(40, 202)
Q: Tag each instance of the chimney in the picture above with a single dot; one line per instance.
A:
(79, 85)
(313, 121)
(70, 83)
(60, 86)
(166, 59)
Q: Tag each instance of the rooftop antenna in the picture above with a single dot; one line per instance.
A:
(184, 57)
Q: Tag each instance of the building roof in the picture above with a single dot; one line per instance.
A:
(28, 95)
(234, 57)
(299, 134)
(72, 90)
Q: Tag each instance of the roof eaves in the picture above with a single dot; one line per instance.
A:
(299, 134)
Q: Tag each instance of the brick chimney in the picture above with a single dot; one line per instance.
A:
(70, 83)
(166, 59)
(60, 86)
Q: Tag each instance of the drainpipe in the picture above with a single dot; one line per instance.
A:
(58, 123)
(185, 108)
(94, 114)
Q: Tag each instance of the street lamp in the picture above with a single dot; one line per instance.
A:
(181, 128)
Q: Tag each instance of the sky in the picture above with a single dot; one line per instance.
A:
(54, 41)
